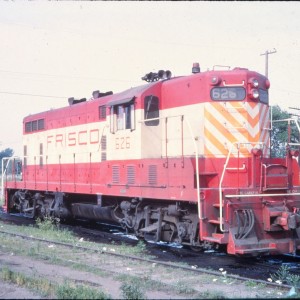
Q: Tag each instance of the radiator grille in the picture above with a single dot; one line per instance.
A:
(103, 156)
(115, 174)
(103, 148)
(103, 142)
(130, 174)
(152, 174)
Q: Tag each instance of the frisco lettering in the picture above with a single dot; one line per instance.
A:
(83, 137)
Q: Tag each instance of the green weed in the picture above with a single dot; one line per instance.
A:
(282, 274)
(252, 284)
(132, 290)
(183, 288)
(140, 247)
(211, 295)
(138, 250)
(63, 291)
(71, 291)
(6, 274)
(49, 228)
(47, 224)
(41, 285)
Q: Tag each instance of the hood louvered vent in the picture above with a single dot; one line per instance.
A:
(115, 174)
(130, 174)
(103, 148)
(152, 175)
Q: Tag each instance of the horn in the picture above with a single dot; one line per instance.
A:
(161, 74)
(168, 74)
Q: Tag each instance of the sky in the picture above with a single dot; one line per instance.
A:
(53, 50)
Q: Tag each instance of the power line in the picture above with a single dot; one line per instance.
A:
(33, 95)
(64, 76)
(49, 75)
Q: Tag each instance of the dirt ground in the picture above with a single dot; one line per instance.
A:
(207, 286)
(100, 270)
(57, 273)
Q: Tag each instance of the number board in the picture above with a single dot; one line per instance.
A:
(228, 93)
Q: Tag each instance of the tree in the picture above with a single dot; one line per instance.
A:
(8, 152)
(280, 132)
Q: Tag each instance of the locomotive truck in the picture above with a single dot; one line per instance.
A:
(181, 159)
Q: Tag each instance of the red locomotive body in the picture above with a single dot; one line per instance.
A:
(182, 159)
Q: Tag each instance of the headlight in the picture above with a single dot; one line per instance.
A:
(254, 94)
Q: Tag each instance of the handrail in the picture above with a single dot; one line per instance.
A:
(288, 120)
(238, 169)
(197, 170)
(234, 84)
(4, 170)
(261, 195)
(159, 118)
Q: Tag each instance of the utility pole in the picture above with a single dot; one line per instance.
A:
(267, 60)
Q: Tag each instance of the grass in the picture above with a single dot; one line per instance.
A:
(283, 275)
(252, 284)
(36, 284)
(71, 291)
(47, 229)
(136, 277)
(67, 290)
(138, 284)
(132, 290)
(140, 249)
(184, 288)
(211, 295)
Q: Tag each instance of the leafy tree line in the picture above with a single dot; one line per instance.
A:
(280, 132)
(8, 152)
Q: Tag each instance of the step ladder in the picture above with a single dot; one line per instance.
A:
(216, 236)
(274, 177)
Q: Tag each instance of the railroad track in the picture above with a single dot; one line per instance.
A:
(255, 269)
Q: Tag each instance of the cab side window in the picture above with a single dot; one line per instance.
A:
(123, 117)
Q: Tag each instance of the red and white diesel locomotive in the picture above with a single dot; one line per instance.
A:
(178, 159)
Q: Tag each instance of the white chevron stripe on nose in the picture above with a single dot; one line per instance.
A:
(226, 123)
